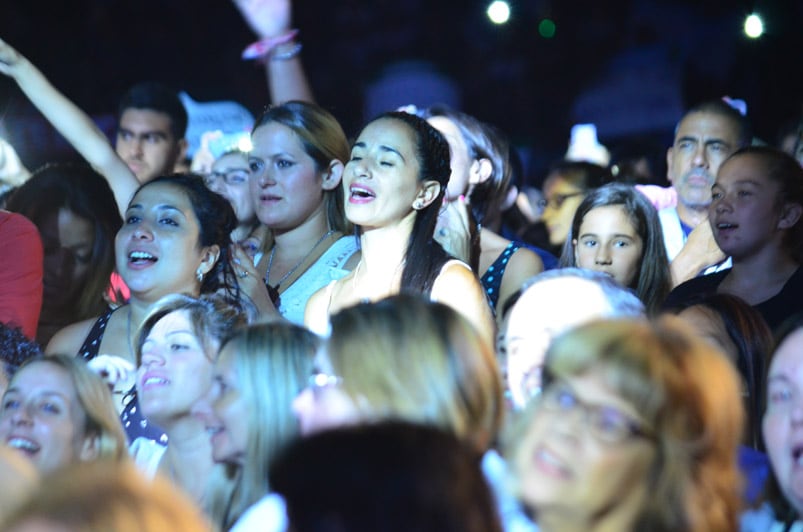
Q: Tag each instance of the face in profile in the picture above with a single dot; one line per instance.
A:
(42, 418)
(561, 200)
(585, 452)
(225, 412)
(158, 246)
(381, 178)
(460, 160)
(229, 177)
(146, 143)
(781, 424)
(324, 404)
(68, 240)
(609, 243)
(745, 210)
(175, 371)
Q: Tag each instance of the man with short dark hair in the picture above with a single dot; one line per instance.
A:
(150, 139)
(151, 126)
(706, 135)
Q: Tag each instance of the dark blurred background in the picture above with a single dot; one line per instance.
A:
(630, 67)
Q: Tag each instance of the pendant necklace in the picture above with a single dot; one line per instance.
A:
(273, 290)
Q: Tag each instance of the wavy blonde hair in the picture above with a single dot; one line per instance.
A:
(412, 359)
(689, 395)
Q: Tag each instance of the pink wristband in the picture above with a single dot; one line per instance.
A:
(263, 47)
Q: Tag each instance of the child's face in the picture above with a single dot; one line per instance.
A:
(607, 242)
(745, 213)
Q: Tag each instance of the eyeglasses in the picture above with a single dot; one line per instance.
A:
(236, 176)
(606, 423)
(322, 380)
(557, 201)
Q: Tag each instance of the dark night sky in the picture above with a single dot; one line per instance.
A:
(94, 49)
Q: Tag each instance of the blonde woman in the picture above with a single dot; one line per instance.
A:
(56, 411)
(411, 359)
(249, 414)
(637, 428)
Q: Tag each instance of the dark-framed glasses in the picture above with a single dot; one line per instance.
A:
(235, 176)
(606, 423)
(557, 201)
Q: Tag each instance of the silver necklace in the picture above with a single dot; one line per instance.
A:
(298, 264)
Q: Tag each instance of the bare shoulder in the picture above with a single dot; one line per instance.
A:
(456, 271)
(316, 313)
(69, 339)
(526, 262)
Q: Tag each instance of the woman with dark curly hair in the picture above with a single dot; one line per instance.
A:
(175, 239)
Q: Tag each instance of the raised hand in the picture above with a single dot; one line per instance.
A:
(267, 18)
(9, 58)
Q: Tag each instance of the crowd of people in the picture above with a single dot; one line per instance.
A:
(326, 333)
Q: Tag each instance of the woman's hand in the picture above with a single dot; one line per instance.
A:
(452, 229)
(267, 18)
(251, 284)
(111, 368)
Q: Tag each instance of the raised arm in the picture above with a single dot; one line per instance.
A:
(272, 19)
(73, 123)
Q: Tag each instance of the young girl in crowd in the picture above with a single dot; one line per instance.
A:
(629, 433)
(616, 231)
(175, 239)
(756, 215)
(177, 346)
(248, 412)
(394, 184)
(56, 412)
(297, 163)
(480, 175)
(74, 210)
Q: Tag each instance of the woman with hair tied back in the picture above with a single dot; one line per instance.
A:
(394, 185)
(616, 231)
(479, 180)
(756, 215)
(297, 157)
(637, 428)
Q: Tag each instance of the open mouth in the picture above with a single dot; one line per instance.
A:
(141, 257)
(152, 381)
(724, 226)
(361, 193)
(23, 444)
(797, 454)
